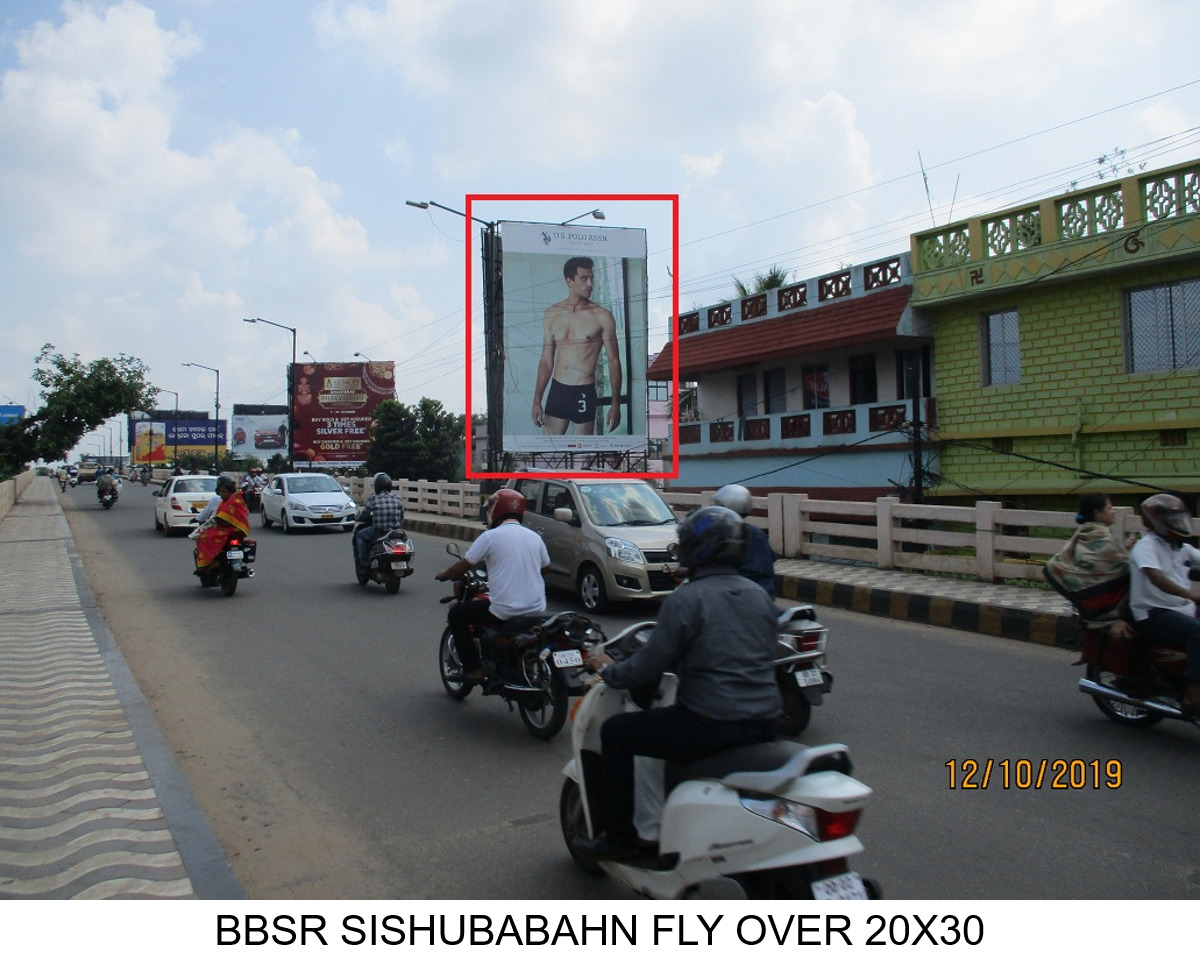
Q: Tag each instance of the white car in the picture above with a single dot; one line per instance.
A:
(179, 501)
(306, 500)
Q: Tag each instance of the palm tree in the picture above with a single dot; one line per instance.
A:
(773, 278)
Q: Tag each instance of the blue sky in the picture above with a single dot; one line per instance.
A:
(169, 167)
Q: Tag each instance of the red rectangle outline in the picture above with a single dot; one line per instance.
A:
(673, 199)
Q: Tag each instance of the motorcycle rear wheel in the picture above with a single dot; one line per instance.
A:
(797, 711)
(392, 585)
(1125, 714)
(548, 720)
(573, 823)
(229, 580)
(450, 667)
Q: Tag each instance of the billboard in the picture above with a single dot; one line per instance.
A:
(575, 338)
(260, 431)
(332, 404)
(157, 441)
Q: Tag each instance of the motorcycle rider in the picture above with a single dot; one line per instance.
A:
(385, 512)
(1162, 596)
(718, 636)
(106, 483)
(759, 564)
(515, 557)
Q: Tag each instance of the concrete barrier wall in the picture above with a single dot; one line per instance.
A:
(11, 490)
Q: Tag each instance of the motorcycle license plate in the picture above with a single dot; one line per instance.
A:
(235, 555)
(843, 887)
(809, 678)
(399, 565)
(568, 657)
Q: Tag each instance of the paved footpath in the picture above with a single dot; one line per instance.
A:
(92, 804)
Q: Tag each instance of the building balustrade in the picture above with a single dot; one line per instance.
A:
(793, 430)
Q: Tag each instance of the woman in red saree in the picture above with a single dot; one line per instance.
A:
(231, 517)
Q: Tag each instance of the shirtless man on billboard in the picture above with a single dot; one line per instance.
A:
(574, 330)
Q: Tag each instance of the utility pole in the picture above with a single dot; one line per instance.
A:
(913, 372)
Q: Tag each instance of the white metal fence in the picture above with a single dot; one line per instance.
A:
(984, 541)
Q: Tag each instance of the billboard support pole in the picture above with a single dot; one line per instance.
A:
(493, 332)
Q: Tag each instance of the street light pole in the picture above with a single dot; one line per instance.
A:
(291, 397)
(493, 330)
(175, 418)
(217, 420)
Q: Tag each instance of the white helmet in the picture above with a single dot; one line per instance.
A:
(736, 498)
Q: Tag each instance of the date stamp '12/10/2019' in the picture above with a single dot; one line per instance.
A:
(1034, 773)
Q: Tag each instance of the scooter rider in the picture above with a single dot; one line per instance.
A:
(385, 512)
(759, 563)
(515, 557)
(718, 636)
(1162, 597)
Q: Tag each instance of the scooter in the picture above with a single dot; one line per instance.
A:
(389, 562)
(535, 662)
(773, 820)
(800, 667)
(231, 565)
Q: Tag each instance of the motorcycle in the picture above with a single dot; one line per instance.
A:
(107, 497)
(1133, 681)
(231, 565)
(253, 497)
(146, 477)
(774, 820)
(389, 562)
(800, 667)
(534, 662)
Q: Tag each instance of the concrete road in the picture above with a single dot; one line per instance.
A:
(308, 716)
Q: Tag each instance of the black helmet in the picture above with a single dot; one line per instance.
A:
(736, 497)
(383, 483)
(227, 482)
(712, 535)
(1167, 516)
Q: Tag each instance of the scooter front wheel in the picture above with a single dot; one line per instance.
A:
(450, 667)
(573, 821)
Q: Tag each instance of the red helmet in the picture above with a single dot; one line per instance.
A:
(506, 504)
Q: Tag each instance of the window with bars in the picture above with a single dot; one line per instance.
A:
(1162, 327)
(1001, 347)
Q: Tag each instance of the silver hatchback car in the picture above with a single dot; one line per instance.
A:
(608, 539)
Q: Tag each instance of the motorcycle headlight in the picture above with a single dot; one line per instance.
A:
(623, 550)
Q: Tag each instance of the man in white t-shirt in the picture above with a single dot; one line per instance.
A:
(1162, 596)
(515, 557)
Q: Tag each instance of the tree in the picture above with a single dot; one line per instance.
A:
(77, 398)
(421, 442)
(774, 278)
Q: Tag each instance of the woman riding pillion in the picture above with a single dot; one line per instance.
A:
(229, 517)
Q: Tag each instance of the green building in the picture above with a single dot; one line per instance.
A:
(1067, 343)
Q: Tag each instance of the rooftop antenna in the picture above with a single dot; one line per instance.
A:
(928, 198)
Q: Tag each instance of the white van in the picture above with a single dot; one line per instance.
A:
(608, 539)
